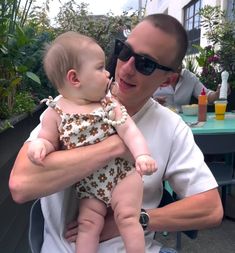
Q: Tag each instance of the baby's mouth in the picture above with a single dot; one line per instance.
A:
(108, 85)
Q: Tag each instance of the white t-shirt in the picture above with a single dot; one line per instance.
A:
(188, 85)
(179, 161)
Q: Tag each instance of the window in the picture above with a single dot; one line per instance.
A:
(192, 24)
(231, 10)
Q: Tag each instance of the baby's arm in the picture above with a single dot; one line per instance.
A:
(136, 143)
(47, 140)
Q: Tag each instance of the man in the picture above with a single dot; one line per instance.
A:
(153, 51)
(180, 89)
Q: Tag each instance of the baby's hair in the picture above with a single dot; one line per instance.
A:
(63, 54)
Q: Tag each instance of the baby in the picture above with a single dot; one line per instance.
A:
(86, 113)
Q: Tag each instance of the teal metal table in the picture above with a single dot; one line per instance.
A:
(214, 136)
(217, 137)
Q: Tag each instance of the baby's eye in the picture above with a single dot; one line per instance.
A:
(102, 67)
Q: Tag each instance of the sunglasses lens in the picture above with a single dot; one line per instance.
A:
(122, 51)
(144, 65)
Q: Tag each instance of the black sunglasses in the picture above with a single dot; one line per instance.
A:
(143, 64)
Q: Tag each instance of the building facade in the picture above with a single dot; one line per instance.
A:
(186, 11)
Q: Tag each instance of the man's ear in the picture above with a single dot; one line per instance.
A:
(72, 77)
(172, 79)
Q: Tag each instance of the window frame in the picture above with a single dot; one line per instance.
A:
(192, 24)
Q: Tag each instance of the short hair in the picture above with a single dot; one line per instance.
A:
(173, 27)
(64, 53)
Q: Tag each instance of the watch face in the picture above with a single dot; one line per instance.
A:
(144, 219)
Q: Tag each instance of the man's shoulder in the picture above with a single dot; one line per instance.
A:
(162, 114)
(188, 75)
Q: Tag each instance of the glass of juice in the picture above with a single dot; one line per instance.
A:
(220, 109)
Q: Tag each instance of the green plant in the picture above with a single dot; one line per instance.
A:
(189, 63)
(23, 34)
(208, 60)
(13, 41)
(220, 33)
(103, 28)
(24, 102)
(33, 59)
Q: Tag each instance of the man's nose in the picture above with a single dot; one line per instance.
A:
(129, 66)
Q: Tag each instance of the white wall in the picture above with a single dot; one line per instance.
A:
(175, 8)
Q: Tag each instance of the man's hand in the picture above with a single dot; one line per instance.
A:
(213, 96)
(71, 231)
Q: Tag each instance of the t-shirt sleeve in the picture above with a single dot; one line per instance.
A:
(186, 170)
(34, 134)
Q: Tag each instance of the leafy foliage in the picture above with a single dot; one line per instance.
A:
(12, 43)
(189, 63)
(220, 32)
(208, 60)
(103, 28)
(24, 102)
(23, 34)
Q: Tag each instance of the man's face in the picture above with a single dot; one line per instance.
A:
(135, 88)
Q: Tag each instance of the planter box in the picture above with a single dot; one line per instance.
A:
(14, 217)
(12, 139)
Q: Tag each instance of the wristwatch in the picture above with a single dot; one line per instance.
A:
(144, 219)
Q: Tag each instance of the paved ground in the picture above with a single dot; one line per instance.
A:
(216, 240)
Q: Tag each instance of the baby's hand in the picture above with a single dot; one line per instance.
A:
(145, 165)
(37, 151)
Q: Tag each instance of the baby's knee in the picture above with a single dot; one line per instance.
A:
(89, 225)
(126, 217)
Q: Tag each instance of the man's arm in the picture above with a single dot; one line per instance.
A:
(212, 96)
(200, 211)
(203, 210)
(60, 169)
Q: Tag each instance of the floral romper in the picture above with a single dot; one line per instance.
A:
(78, 130)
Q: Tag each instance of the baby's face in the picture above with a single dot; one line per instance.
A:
(93, 76)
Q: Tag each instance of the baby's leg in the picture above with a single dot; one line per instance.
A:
(126, 204)
(90, 224)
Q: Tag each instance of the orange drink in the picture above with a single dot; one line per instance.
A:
(220, 109)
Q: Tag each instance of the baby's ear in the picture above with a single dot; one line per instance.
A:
(72, 77)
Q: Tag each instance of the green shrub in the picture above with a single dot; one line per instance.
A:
(24, 102)
(220, 33)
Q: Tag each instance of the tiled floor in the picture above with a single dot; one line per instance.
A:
(217, 240)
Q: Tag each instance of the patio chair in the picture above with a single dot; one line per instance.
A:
(168, 198)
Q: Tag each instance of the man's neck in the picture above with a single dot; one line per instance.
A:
(133, 109)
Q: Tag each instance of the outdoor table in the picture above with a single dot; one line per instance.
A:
(214, 136)
(217, 137)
